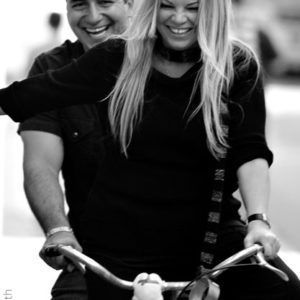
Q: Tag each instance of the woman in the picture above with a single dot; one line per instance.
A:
(181, 81)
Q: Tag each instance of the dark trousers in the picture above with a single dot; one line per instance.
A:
(70, 286)
(254, 282)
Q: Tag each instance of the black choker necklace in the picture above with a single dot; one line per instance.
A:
(192, 54)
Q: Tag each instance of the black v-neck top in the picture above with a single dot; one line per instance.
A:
(143, 207)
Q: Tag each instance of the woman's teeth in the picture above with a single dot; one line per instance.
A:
(179, 30)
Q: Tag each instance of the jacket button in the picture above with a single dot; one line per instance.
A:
(75, 134)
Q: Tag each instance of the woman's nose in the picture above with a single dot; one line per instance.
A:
(179, 17)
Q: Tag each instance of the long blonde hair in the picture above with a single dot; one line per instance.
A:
(213, 80)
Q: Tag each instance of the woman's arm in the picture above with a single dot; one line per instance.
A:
(88, 79)
(249, 156)
(254, 185)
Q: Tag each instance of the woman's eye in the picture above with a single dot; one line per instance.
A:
(166, 6)
(193, 8)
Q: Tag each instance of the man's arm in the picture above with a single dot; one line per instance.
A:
(43, 157)
(254, 186)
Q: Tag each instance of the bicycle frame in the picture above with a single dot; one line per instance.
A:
(151, 286)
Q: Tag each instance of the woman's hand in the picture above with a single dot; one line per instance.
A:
(260, 233)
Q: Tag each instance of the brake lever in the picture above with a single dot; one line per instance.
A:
(263, 263)
(256, 252)
(234, 259)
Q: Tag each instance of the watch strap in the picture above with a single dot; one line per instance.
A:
(259, 217)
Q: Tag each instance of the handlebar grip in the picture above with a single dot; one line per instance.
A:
(52, 251)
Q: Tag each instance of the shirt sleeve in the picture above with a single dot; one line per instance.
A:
(86, 80)
(248, 117)
(37, 66)
(47, 121)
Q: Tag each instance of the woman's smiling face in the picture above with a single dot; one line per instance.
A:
(176, 23)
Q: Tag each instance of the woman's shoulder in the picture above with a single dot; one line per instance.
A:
(247, 72)
(245, 61)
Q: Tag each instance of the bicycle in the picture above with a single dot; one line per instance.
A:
(151, 286)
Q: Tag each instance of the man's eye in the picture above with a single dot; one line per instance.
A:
(78, 4)
(106, 2)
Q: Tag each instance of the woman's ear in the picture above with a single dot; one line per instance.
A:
(130, 3)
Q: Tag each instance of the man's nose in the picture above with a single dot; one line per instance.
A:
(93, 13)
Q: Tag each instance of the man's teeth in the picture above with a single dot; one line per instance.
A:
(96, 30)
(179, 30)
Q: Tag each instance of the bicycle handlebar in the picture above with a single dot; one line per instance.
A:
(255, 251)
(78, 257)
(94, 266)
(98, 269)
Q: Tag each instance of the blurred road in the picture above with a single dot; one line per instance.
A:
(25, 276)
(283, 131)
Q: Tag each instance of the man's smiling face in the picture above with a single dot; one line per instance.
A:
(94, 20)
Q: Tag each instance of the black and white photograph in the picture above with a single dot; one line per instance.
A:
(149, 150)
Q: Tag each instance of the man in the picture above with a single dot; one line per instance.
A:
(70, 139)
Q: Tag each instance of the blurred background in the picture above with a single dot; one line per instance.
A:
(271, 27)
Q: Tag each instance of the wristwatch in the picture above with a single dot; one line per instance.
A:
(259, 217)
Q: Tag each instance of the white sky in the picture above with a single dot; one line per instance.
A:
(23, 25)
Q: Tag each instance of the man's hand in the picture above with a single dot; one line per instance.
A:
(60, 238)
(260, 233)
